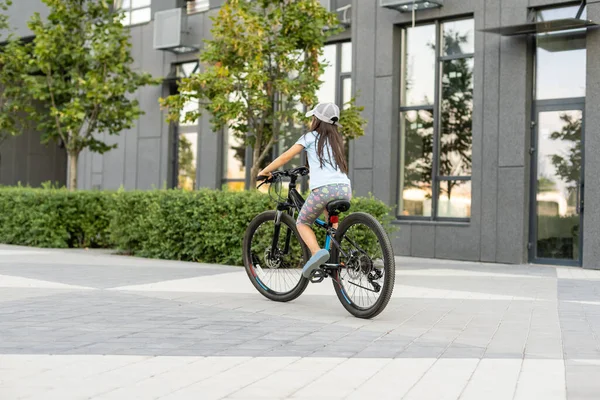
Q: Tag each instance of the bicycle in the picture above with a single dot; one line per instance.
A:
(361, 253)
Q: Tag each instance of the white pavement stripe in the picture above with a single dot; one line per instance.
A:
(446, 379)
(541, 379)
(591, 303)
(175, 379)
(238, 282)
(22, 252)
(406, 291)
(577, 273)
(401, 373)
(128, 377)
(290, 379)
(342, 380)
(585, 361)
(232, 380)
(493, 380)
(9, 281)
(439, 272)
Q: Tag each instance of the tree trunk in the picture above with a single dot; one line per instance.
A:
(73, 157)
(254, 172)
(255, 169)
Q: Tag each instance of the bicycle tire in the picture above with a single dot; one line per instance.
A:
(389, 266)
(289, 222)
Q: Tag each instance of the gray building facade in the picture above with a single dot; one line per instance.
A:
(481, 128)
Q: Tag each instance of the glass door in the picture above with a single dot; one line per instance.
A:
(558, 185)
(558, 140)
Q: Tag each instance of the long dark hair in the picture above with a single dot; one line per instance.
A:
(328, 133)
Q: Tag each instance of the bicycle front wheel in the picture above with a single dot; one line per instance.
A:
(274, 257)
(365, 282)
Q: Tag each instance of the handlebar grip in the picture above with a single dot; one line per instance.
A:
(262, 178)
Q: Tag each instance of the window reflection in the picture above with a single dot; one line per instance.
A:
(417, 159)
(346, 92)
(234, 160)
(454, 199)
(327, 90)
(419, 82)
(187, 158)
(189, 106)
(552, 14)
(135, 12)
(452, 72)
(560, 58)
(346, 57)
(456, 140)
(458, 37)
(558, 184)
(561, 66)
(290, 133)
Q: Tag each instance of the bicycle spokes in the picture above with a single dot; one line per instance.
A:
(362, 273)
(277, 257)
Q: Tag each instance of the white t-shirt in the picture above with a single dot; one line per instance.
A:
(330, 173)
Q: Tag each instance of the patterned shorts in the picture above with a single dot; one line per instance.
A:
(318, 199)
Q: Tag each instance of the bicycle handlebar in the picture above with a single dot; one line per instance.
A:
(299, 171)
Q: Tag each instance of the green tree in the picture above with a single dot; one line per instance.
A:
(262, 63)
(12, 109)
(78, 69)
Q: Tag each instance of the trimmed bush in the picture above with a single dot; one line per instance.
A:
(205, 225)
(54, 217)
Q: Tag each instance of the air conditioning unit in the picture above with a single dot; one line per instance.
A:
(171, 32)
(410, 5)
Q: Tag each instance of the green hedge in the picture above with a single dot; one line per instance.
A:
(54, 217)
(205, 225)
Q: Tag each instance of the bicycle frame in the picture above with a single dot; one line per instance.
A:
(295, 201)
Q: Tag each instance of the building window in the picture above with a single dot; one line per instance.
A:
(436, 116)
(196, 6)
(343, 9)
(336, 84)
(234, 161)
(136, 12)
(186, 135)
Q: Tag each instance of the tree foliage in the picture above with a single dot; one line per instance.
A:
(12, 108)
(260, 69)
(568, 166)
(77, 71)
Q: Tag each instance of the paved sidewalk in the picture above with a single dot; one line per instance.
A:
(77, 325)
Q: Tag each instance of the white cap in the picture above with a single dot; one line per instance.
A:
(326, 112)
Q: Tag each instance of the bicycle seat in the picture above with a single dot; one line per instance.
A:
(338, 206)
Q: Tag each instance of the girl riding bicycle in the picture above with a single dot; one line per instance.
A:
(329, 181)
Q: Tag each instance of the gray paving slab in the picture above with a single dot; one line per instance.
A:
(453, 318)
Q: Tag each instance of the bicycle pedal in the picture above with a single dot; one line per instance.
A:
(317, 276)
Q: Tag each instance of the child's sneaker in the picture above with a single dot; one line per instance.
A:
(320, 257)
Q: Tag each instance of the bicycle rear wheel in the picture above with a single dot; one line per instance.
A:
(276, 275)
(365, 283)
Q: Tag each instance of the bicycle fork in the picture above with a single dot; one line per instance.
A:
(277, 230)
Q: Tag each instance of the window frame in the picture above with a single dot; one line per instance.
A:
(177, 73)
(131, 9)
(191, 11)
(435, 109)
